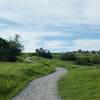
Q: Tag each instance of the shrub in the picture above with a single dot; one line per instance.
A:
(82, 57)
(96, 59)
(4, 45)
(68, 56)
(84, 60)
(9, 50)
(44, 53)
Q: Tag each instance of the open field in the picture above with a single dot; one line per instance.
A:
(14, 76)
(81, 82)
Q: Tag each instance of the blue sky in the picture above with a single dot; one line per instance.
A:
(58, 25)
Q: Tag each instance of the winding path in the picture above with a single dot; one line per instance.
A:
(44, 88)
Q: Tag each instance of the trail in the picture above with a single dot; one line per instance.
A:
(44, 88)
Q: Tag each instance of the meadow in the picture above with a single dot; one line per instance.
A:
(15, 76)
(80, 83)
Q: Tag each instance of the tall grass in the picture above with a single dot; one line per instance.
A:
(81, 83)
(14, 76)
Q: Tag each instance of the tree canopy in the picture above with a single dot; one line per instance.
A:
(44, 53)
(10, 49)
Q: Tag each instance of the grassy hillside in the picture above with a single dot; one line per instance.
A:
(81, 83)
(14, 76)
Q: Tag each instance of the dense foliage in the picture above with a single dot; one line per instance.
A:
(68, 56)
(82, 57)
(44, 53)
(15, 76)
(9, 50)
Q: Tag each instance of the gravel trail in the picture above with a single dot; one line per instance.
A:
(44, 88)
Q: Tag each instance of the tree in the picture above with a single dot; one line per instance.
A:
(79, 51)
(68, 56)
(10, 49)
(4, 45)
(44, 53)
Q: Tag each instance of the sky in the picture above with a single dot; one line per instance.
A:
(57, 25)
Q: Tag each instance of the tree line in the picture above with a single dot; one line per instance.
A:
(44, 53)
(82, 57)
(10, 50)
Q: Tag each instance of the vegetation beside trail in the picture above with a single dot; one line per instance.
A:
(44, 53)
(80, 83)
(82, 57)
(10, 49)
(15, 70)
(15, 76)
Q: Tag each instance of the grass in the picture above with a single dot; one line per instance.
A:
(81, 83)
(15, 76)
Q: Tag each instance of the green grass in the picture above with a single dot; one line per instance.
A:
(81, 83)
(53, 62)
(15, 76)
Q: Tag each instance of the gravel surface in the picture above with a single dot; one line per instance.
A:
(44, 88)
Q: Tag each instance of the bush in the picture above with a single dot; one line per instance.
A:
(96, 59)
(68, 56)
(83, 60)
(44, 53)
(9, 50)
(4, 45)
(82, 57)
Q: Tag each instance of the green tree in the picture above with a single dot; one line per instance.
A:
(4, 45)
(11, 49)
(44, 53)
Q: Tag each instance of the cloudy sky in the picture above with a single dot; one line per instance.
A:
(58, 25)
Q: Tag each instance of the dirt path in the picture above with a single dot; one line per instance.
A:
(44, 88)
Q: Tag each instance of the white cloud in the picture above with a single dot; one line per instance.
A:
(40, 13)
(91, 11)
(54, 44)
(29, 35)
(45, 12)
(31, 45)
(37, 18)
(31, 40)
(86, 44)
